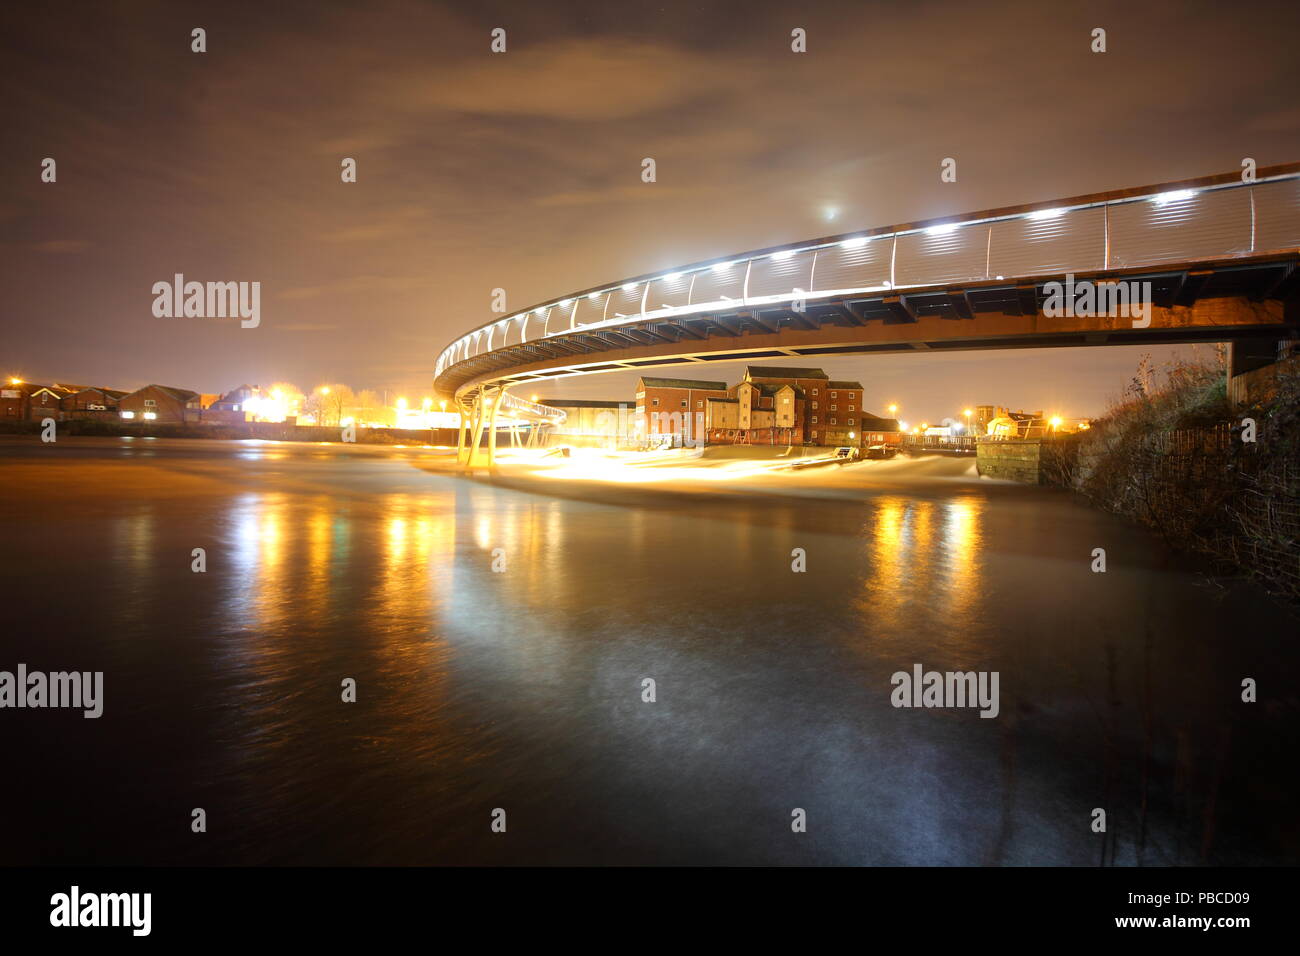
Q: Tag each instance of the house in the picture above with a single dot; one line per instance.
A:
(13, 401)
(92, 402)
(44, 401)
(236, 400)
(880, 431)
(160, 403)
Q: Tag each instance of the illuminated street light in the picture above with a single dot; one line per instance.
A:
(893, 409)
(15, 381)
(324, 389)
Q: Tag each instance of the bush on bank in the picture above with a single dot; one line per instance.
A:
(1172, 455)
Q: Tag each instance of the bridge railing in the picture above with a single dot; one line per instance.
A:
(1215, 220)
(512, 406)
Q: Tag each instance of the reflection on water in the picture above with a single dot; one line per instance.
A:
(521, 688)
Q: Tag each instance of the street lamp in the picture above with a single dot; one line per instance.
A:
(893, 410)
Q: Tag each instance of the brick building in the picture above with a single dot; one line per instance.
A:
(674, 406)
(161, 403)
(93, 402)
(779, 405)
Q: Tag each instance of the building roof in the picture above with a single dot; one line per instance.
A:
(727, 401)
(684, 383)
(103, 390)
(877, 424)
(180, 394)
(843, 384)
(782, 371)
(769, 389)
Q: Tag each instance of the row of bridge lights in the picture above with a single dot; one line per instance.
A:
(855, 242)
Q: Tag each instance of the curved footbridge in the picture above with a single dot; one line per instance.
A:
(1215, 258)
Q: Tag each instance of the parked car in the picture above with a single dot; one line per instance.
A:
(881, 451)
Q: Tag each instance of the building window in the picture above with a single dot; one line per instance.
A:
(128, 414)
(699, 404)
(149, 402)
(835, 394)
(816, 404)
(655, 401)
(683, 403)
(814, 391)
(814, 421)
(835, 408)
(833, 421)
(853, 421)
(850, 408)
(150, 416)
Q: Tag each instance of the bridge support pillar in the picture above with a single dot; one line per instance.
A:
(497, 399)
(460, 433)
(1250, 368)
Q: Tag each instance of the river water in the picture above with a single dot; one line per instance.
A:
(522, 689)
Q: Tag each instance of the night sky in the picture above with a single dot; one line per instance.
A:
(522, 170)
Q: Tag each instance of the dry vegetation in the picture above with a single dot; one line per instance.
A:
(1170, 454)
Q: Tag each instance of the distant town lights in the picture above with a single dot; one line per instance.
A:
(857, 242)
(1045, 214)
(1177, 195)
(942, 230)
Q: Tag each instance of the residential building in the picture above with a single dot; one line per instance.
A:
(93, 402)
(160, 403)
(45, 401)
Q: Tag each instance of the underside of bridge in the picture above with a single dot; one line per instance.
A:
(1257, 301)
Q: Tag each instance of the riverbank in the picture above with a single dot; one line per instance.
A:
(264, 431)
(1176, 458)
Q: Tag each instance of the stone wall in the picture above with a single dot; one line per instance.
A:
(1012, 460)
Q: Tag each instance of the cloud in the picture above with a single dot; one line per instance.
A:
(61, 246)
(588, 81)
